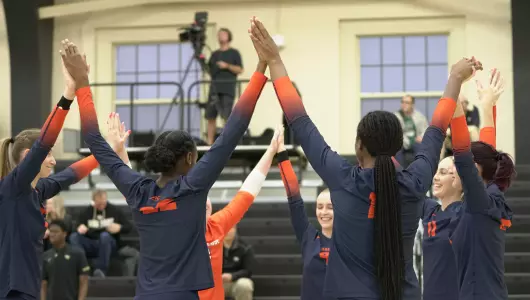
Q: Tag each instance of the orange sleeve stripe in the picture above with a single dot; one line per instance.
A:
(443, 113)
(290, 181)
(53, 125)
(371, 209)
(487, 135)
(460, 134)
(83, 167)
(290, 101)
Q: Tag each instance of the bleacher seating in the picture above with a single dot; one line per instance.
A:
(278, 267)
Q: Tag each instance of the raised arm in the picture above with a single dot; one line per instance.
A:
(203, 175)
(424, 166)
(475, 192)
(325, 161)
(52, 185)
(231, 214)
(488, 97)
(127, 181)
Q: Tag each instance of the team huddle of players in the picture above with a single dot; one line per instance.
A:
(368, 227)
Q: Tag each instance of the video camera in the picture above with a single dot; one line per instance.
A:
(196, 32)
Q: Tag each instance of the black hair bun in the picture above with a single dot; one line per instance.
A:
(160, 159)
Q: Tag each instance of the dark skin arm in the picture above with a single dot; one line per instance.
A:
(83, 287)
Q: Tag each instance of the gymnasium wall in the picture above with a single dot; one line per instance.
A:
(321, 50)
(5, 80)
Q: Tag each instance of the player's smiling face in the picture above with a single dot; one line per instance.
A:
(324, 210)
(47, 166)
(446, 179)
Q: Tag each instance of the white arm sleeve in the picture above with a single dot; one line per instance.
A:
(253, 182)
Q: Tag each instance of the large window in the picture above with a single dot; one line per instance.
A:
(392, 66)
(150, 63)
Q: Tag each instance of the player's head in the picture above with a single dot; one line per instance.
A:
(380, 136)
(494, 166)
(173, 153)
(324, 210)
(58, 232)
(13, 151)
(446, 182)
(224, 36)
(208, 207)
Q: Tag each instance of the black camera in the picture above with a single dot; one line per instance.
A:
(196, 32)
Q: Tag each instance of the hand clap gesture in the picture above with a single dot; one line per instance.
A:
(75, 63)
(263, 42)
(465, 68)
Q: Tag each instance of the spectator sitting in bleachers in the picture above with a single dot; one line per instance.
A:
(55, 211)
(414, 124)
(237, 267)
(98, 232)
(65, 268)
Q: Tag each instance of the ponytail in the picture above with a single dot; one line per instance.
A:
(5, 157)
(497, 167)
(505, 172)
(388, 243)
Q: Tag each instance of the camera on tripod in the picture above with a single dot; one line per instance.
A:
(196, 32)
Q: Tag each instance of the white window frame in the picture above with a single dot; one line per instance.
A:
(350, 60)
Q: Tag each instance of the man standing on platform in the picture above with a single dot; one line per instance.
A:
(225, 64)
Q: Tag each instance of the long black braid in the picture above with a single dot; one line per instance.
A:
(381, 133)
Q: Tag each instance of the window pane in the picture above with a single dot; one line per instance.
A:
(192, 78)
(124, 92)
(393, 50)
(147, 58)
(195, 120)
(437, 78)
(437, 49)
(173, 121)
(147, 91)
(126, 58)
(166, 90)
(392, 104)
(145, 118)
(431, 106)
(420, 104)
(368, 105)
(393, 79)
(415, 79)
(370, 48)
(169, 57)
(187, 53)
(415, 50)
(370, 79)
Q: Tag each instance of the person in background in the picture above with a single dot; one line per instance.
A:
(224, 64)
(238, 258)
(65, 268)
(414, 125)
(55, 211)
(99, 230)
(222, 222)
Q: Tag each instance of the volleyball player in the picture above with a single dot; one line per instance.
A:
(371, 251)
(479, 236)
(439, 266)
(24, 188)
(315, 243)
(169, 212)
(219, 223)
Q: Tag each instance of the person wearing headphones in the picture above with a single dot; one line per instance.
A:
(224, 66)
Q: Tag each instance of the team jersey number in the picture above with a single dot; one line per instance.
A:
(431, 229)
